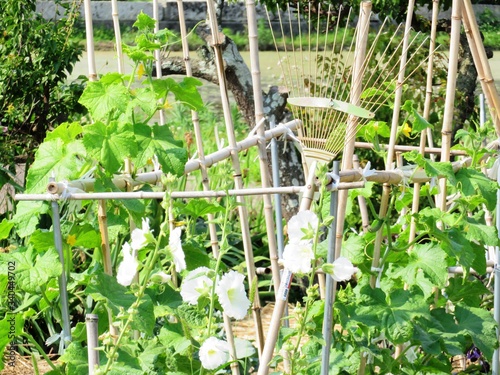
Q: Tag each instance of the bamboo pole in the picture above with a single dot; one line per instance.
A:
(263, 158)
(89, 31)
(427, 109)
(205, 182)
(405, 148)
(238, 181)
(392, 139)
(118, 35)
(481, 62)
(284, 289)
(157, 53)
(355, 95)
(450, 96)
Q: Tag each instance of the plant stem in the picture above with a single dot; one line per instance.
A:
(40, 350)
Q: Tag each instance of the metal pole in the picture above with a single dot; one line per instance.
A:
(91, 321)
(56, 223)
(496, 290)
(330, 283)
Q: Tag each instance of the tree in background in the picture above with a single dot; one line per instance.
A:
(37, 55)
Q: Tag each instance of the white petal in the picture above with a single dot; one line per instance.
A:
(128, 267)
(140, 237)
(244, 348)
(175, 244)
(302, 220)
(232, 296)
(297, 256)
(195, 284)
(214, 353)
(343, 269)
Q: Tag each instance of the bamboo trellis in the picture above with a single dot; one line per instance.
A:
(350, 177)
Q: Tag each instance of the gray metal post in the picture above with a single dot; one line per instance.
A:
(330, 283)
(496, 289)
(91, 321)
(63, 292)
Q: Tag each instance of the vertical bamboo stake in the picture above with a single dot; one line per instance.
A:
(243, 214)
(92, 341)
(363, 209)
(259, 117)
(357, 88)
(450, 95)
(157, 53)
(427, 109)
(284, 289)
(392, 140)
(238, 181)
(481, 63)
(89, 31)
(106, 255)
(495, 366)
(118, 35)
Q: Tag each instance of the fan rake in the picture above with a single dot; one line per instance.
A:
(335, 83)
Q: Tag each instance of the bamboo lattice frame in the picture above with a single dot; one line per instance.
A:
(349, 177)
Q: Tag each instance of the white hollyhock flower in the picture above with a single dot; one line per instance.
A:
(303, 220)
(340, 270)
(244, 348)
(141, 237)
(175, 245)
(214, 353)
(232, 295)
(128, 266)
(297, 256)
(195, 284)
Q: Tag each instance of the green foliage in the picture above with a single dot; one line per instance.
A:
(37, 56)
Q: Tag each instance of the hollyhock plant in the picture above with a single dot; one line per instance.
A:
(340, 270)
(232, 295)
(214, 353)
(128, 266)
(195, 284)
(297, 256)
(140, 237)
(300, 224)
(175, 245)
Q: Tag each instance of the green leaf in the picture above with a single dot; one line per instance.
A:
(430, 259)
(11, 327)
(419, 123)
(185, 92)
(103, 99)
(105, 288)
(480, 325)
(145, 44)
(158, 140)
(144, 22)
(110, 145)
(474, 182)
(67, 132)
(195, 255)
(470, 292)
(33, 272)
(54, 158)
(5, 228)
(145, 99)
(42, 240)
(76, 359)
(200, 208)
(27, 216)
(432, 168)
(172, 336)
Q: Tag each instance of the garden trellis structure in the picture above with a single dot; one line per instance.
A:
(347, 178)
